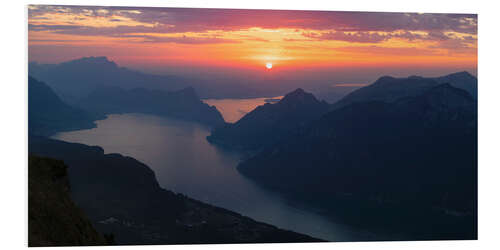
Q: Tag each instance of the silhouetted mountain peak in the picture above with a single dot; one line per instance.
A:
(298, 91)
(95, 59)
(461, 74)
(299, 96)
(384, 79)
(269, 123)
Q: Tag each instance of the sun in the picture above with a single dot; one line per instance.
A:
(269, 65)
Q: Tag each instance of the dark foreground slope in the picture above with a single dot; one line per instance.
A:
(270, 123)
(183, 104)
(53, 218)
(48, 114)
(409, 166)
(121, 196)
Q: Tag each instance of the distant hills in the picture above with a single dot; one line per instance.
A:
(122, 197)
(47, 114)
(390, 89)
(73, 80)
(183, 104)
(269, 123)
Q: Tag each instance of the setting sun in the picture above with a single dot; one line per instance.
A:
(269, 65)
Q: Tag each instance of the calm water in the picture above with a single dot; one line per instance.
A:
(233, 109)
(185, 162)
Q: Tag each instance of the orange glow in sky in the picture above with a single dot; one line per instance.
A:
(251, 38)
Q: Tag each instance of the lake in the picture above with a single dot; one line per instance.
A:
(185, 162)
(233, 109)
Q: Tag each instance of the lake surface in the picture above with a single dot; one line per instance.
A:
(185, 162)
(233, 109)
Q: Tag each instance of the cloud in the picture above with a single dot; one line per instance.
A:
(57, 40)
(457, 46)
(393, 51)
(128, 32)
(53, 28)
(437, 36)
(297, 40)
(182, 39)
(200, 20)
(253, 38)
(353, 27)
(358, 37)
(442, 41)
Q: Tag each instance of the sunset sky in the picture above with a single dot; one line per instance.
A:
(248, 39)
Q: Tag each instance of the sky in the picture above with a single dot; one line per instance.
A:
(214, 40)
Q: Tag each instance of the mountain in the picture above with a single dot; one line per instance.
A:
(333, 94)
(269, 123)
(122, 197)
(462, 80)
(47, 114)
(410, 162)
(183, 104)
(53, 218)
(73, 80)
(390, 89)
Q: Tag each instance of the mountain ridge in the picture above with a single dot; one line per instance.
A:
(417, 152)
(48, 114)
(75, 79)
(183, 104)
(389, 89)
(268, 123)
